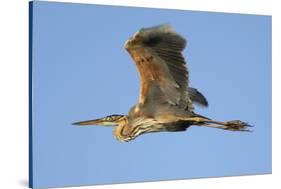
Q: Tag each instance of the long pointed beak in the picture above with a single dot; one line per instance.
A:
(111, 120)
(88, 122)
(95, 122)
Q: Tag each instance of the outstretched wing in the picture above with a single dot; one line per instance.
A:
(157, 53)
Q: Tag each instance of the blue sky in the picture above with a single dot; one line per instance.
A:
(81, 71)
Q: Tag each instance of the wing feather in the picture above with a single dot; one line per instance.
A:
(157, 53)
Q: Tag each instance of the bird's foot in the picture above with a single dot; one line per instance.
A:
(237, 125)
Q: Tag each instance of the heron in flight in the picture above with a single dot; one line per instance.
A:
(166, 100)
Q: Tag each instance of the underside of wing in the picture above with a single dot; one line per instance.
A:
(157, 53)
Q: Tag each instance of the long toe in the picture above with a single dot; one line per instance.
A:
(237, 125)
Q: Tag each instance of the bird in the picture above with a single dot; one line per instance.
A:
(166, 100)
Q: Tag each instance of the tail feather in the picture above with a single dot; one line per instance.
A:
(197, 97)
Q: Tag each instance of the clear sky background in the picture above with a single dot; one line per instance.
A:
(81, 71)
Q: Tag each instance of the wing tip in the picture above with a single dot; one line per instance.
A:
(162, 28)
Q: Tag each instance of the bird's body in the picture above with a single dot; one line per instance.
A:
(166, 100)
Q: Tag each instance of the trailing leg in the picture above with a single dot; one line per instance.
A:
(234, 125)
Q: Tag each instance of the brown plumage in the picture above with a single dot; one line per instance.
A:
(165, 100)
